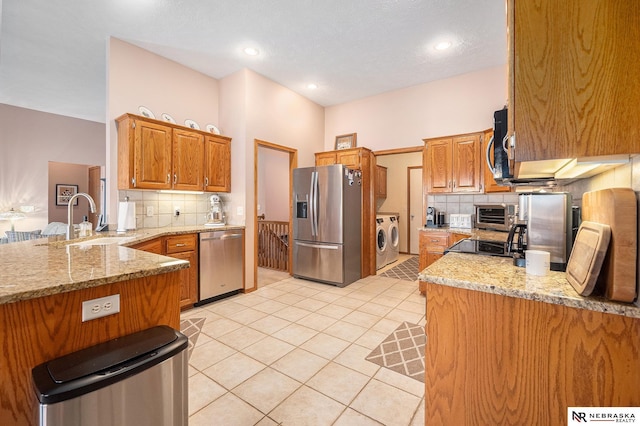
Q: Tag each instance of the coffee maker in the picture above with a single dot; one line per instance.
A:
(544, 223)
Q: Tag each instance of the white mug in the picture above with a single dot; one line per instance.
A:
(537, 262)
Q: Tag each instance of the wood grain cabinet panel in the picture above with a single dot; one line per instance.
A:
(452, 164)
(188, 148)
(499, 360)
(217, 164)
(325, 158)
(381, 182)
(572, 78)
(158, 155)
(352, 158)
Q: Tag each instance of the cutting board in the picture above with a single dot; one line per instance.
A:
(587, 255)
(616, 207)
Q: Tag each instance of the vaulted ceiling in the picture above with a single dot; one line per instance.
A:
(53, 54)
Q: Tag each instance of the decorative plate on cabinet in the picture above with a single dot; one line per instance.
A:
(146, 112)
(213, 129)
(169, 119)
(192, 124)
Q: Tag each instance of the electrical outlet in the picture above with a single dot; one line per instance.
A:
(149, 211)
(176, 211)
(101, 307)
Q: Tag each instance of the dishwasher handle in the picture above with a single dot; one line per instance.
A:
(222, 237)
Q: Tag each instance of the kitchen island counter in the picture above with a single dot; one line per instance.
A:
(48, 266)
(497, 275)
(508, 348)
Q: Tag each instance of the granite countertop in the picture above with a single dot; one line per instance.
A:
(497, 275)
(43, 267)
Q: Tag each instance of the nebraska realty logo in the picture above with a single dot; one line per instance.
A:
(582, 415)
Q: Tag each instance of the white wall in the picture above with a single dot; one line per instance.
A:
(273, 184)
(402, 118)
(138, 77)
(28, 141)
(254, 107)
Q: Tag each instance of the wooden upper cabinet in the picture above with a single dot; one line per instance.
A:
(217, 164)
(188, 148)
(437, 166)
(352, 158)
(489, 182)
(381, 182)
(466, 163)
(144, 154)
(452, 164)
(325, 158)
(573, 72)
(158, 155)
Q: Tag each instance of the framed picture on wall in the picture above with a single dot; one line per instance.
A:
(346, 141)
(64, 192)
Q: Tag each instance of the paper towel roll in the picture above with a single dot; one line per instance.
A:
(126, 216)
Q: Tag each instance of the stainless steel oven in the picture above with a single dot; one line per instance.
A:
(498, 217)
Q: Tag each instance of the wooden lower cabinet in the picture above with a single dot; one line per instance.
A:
(38, 330)
(499, 360)
(432, 245)
(183, 247)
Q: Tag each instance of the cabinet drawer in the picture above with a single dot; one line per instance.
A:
(181, 243)
(440, 239)
(151, 246)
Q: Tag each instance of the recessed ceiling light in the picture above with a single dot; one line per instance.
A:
(251, 51)
(443, 45)
(312, 86)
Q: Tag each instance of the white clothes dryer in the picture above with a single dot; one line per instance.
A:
(393, 235)
(381, 242)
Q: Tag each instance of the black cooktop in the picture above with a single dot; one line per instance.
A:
(485, 247)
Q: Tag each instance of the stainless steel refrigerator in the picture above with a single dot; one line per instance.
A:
(327, 205)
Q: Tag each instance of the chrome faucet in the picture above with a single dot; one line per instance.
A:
(92, 204)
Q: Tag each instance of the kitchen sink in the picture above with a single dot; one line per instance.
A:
(103, 241)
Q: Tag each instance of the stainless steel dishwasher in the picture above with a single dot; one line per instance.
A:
(221, 264)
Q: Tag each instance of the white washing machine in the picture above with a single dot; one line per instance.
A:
(393, 235)
(381, 242)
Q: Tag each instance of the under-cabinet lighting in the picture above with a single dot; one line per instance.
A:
(177, 191)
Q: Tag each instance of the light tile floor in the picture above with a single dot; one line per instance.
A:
(293, 353)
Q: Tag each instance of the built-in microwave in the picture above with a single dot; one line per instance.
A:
(498, 217)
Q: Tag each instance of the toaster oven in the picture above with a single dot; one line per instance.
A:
(498, 217)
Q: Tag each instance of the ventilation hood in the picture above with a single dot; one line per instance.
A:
(563, 171)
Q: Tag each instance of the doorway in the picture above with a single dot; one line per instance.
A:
(273, 183)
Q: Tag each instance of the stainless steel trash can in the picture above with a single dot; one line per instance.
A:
(135, 380)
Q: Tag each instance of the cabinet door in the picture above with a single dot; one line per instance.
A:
(466, 163)
(325, 158)
(152, 155)
(151, 246)
(438, 166)
(188, 152)
(349, 157)
(572, 67)
(217, 164)
(381, 182)
(188, 278)
(489, 182)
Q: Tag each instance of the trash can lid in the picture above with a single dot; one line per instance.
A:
(107, 355)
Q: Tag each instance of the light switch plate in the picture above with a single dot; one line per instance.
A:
(101, 307)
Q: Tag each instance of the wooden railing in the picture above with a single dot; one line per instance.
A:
(273, 245)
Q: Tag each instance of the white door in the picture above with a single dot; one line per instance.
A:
(415, 207)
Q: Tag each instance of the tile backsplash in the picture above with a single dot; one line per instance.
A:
(193, 208)
(463, 203)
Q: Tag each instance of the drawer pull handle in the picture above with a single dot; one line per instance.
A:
(181, 245)
(435, 241)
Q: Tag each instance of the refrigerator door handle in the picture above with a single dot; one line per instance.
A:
(313, 203)
(318, 246)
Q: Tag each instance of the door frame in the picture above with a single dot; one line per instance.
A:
(409, 203)
(293, 163)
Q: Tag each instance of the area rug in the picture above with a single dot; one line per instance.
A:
(402, 351)
(191, 328)
(407, 270)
